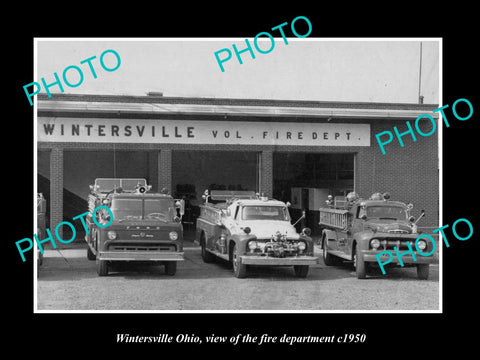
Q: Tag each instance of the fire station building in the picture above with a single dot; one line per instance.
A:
(297, 151)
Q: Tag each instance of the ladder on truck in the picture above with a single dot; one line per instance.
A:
(336, 218)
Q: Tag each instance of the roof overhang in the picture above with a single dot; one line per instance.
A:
(326, 110)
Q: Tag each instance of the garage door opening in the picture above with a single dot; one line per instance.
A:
(307, 179)
(195, 171)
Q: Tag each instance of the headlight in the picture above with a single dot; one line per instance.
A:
(301, 246)
(252, 245)
(422, 244)
(375, 243)
(112, 235)
(173, 235)
(307, 231)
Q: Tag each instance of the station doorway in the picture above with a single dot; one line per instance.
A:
(195, 171)
(306, 179)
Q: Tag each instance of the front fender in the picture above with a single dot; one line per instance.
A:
(240, 241)
(310, 245)
(362, 239)
(328, 234)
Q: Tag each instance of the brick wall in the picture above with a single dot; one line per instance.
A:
(266, 163)
(409, 173)
(165, 170)
(56, 189)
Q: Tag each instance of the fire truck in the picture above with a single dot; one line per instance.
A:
(146, 227)
(245, 229)
(358, 229)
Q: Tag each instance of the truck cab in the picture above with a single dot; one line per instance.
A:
(361, 229)
(145, 226)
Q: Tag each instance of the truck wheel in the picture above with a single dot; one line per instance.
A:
(171, 268)
(423, 271)
(207, 257)
(360, 266)
(239, 269)
(328, 259)
(90, 254)
(102, 267)
(301, 271)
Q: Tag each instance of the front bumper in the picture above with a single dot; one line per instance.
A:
(370, 256)
(286, 261)
(140, 256)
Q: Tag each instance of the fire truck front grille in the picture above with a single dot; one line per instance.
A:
(138, 247)
(389, 244)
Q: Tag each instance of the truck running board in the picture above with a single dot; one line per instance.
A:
(220, 255)
(340, 254)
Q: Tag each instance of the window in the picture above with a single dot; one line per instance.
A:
(136, 209)
(265, 213)
(361, 212)
(386, 212)
(127, 209)
(157, 208)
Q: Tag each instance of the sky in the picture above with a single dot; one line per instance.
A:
(380, 70)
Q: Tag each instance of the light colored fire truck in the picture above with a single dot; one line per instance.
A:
(145, 226)
(357, 230)
(245, 229)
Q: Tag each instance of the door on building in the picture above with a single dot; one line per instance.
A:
(195, 171)
(312, 177)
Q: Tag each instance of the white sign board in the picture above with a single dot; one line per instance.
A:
(87, 130)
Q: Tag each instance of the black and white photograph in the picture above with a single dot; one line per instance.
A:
(210, 171)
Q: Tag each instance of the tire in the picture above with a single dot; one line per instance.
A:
(328, 259)
(171, 268)
(102, 267)
(360, 266)
(239, 269)
(207, 257)
(301, 271)
(90, 254)
(423, 271)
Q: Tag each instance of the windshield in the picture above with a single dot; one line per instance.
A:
(157, 208)
(265, 213)
(386, 212)
(137, 209)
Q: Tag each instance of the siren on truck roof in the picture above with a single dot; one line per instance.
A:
(379, 196)
(142, 189)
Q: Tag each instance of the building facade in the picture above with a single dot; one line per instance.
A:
(297, 151)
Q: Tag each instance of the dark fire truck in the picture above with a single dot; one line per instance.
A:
(146, 227)
(359, 229)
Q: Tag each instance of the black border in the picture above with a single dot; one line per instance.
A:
(92, 334)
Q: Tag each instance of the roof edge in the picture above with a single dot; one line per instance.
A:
(231, 101)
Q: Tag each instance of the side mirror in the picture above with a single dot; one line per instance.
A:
(301, 217)
(422, 214)
(206, 195)
(180, 205)
(288, 203)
